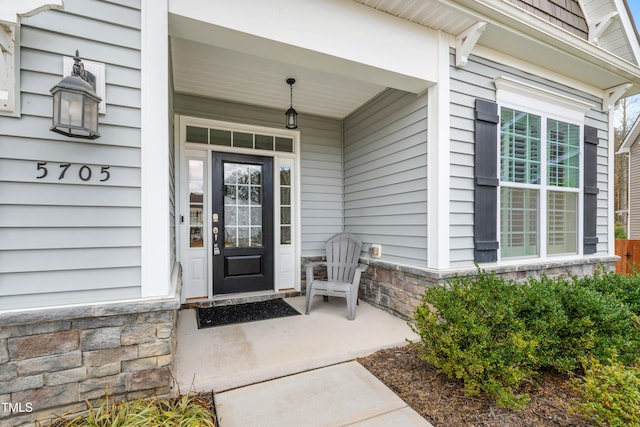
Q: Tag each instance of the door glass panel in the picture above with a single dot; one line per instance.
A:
(285, 205)
(196, 203)
(243, 205)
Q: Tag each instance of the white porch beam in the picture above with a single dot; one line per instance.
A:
(466, 41)
(343, 38)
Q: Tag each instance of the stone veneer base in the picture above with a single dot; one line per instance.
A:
(398, 289)
(51, 360)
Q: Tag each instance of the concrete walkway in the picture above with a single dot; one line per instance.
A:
(292, 371)
(339, 395)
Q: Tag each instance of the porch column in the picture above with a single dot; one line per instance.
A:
(154, 149)
(438, 163)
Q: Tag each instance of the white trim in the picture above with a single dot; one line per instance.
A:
(510, 61)
(279, 158)
(439, 163)
(597, 28)
(611, 221)
(10, 70)
(154, 150)
(629, 29)
(466, 41)
(12, 10)
(10, 13)
(512, 91)
(611, 96)
(522, 103)
(631, 138)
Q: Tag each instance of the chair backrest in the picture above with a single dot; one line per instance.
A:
(343, 254)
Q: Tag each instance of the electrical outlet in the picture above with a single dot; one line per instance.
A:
(375, 251)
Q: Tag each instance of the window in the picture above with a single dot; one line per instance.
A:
(212, 136)
(539, 184)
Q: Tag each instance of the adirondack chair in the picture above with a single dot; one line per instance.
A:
(343, 272)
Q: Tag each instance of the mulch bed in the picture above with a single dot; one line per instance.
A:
(443, 403)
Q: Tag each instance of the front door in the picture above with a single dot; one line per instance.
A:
(242, 223)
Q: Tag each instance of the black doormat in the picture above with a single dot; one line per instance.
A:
(242, 313)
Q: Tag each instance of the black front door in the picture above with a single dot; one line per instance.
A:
(242, 223)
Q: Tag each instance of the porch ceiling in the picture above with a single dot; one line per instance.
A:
(216, 72)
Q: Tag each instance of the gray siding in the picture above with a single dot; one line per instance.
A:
(476, 81)
(321, 157)
(67, 240)
(385, 156)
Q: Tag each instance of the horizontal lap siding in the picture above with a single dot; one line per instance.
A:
(72, 239)
(385, 178)
(475, 80)
(321, 157)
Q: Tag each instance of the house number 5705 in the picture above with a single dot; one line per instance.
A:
(84, 172)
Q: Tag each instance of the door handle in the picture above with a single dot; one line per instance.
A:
(215, 234)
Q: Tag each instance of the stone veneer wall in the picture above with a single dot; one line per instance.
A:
(52, 360)
(398, 289)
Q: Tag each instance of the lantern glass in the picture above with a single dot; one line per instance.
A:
(292, 119)
(91, 114)
(71, 109)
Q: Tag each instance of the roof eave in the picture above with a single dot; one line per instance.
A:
(513, 19)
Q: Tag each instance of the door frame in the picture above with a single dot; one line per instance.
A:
(286, 258)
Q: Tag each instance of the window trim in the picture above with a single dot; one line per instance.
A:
(547, 105)
(9, 39)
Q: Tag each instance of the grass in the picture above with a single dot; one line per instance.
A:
(184, 411)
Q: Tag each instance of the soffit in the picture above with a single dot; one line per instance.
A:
(215, 72)
(520, 34)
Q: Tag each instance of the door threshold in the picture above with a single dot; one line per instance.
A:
(241, 298)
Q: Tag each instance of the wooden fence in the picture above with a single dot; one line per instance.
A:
(629, 253)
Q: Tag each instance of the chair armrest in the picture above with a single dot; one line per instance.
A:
(310, 268)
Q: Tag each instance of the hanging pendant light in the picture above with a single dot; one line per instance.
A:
(292, 115)
(75, 104)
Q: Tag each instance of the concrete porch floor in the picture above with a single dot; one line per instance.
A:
(227, 357)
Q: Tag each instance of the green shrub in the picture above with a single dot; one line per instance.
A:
(493, 334)
(619, 231)
(477, 337)
(572, 320)
(624, 287)
(609, 394)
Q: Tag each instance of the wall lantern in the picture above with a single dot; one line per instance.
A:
(75, 104)
(292, 116)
